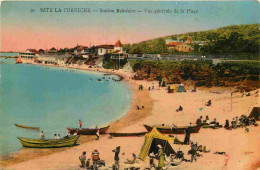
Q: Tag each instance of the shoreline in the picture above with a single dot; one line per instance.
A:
(242, 148)
(126, 120)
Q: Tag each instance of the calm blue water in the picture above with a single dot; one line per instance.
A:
(54, 99)
(9, 54)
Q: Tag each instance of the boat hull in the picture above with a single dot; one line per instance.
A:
(42, 143)
(127, 134)
(178, 130)
(87, 131)
(27, 127)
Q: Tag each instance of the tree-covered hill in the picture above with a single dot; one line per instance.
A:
(234, 39)
(250, 32)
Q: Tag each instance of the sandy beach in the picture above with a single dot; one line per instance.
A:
(242, 149)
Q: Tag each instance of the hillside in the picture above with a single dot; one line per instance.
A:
(250, 32)
(225, 40)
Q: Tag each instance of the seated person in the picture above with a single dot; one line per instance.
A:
(214, 121)
(207, 121)
(199, 122)
(180, 109)
(209, 103)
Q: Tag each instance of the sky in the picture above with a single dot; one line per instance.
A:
(24, 24)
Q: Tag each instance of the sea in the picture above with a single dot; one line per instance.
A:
(54, 99)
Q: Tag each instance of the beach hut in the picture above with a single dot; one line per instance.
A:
(255, 113)
(151, 141)
(172, 89)
(181, 88)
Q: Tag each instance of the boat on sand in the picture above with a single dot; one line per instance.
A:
(27, 127)
(173, 130)
(88, 131)
(51, 143)
(127, 134)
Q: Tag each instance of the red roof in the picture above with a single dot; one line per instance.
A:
(82, 48)
(105, 46)
(118, 44)
(32, 50)
(53, 48)
(174, 44)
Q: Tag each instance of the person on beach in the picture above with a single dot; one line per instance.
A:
(180, 109)
(226, 124)
(199, 121)
(95, 158)
(58, 137)
(187, 136)
(161, 157)
(209, 103)
(207, 121)
(82, 159)
(152, 164)
(41, 135)
(193, 152)
(116, 158)
(137, 107)
(97, 134)
(55, 136)
(80, 123)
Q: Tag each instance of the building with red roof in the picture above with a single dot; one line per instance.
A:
(172, 45)
(104, 49)
(118, 47)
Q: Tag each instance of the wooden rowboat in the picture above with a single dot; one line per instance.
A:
(88, 131)
(127, 134)
(52, 143)
(173, 130)
(27, 127)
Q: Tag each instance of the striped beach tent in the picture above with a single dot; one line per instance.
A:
(151, 141)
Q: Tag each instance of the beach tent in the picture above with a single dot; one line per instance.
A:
(255, 113)
(151, 141)
(172, 89)
(181, 88)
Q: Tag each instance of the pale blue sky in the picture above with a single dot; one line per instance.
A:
(102, 28)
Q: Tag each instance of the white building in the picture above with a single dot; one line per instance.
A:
(82, 51)
(104, 49)
(29, 53)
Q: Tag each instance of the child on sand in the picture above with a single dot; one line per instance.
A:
(82, 159)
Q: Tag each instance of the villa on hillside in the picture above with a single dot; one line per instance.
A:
(181, 46)
(104, 49)
(173, 45)
(184, 48)
(118, 54)
(82, 51)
